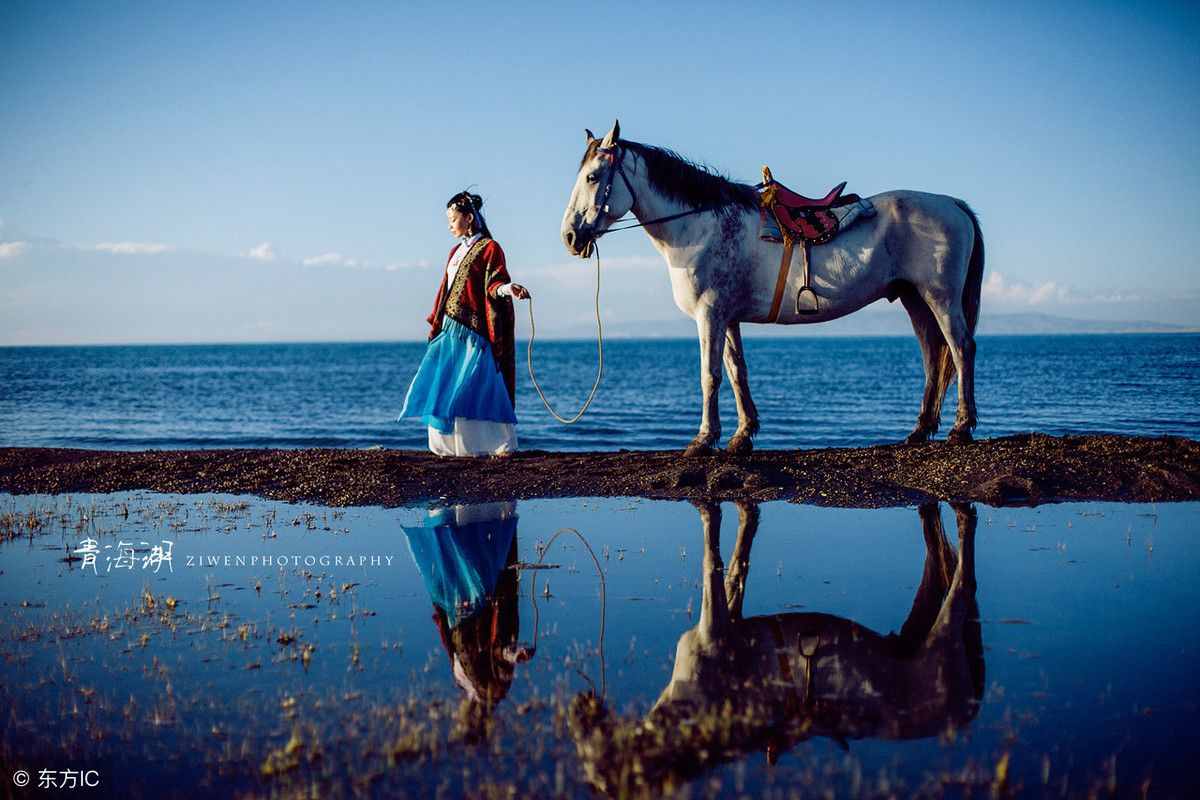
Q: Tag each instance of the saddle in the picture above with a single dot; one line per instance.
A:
(804, 219)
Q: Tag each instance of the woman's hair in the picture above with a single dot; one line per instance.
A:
(468, 203)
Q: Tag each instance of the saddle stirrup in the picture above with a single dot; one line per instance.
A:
(806, 298)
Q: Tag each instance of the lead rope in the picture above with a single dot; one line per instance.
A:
(599, 350)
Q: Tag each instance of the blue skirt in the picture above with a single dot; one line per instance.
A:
(460, 564)
(458, 377)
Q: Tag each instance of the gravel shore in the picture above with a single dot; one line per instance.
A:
(1013, 470)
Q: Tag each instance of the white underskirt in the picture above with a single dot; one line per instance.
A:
(474, 437)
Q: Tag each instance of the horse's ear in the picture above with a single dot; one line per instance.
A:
(591, 137)
(613, 136)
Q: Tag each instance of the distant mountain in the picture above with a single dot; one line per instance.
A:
(1046, 323)
(883, 322)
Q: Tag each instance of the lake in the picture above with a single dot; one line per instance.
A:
(810, 392)
(224, 644)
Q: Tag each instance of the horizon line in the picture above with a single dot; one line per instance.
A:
(1181, 331)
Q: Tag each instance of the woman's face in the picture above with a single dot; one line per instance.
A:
(458, 222)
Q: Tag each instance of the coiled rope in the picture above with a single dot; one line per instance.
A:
(603, 604)
(599, 350)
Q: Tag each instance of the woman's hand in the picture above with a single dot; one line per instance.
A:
(520, 292)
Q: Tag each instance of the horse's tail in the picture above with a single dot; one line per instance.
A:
(972, 289)
(974, 285)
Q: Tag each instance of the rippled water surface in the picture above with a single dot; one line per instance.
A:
(810, 392)
(764, 650)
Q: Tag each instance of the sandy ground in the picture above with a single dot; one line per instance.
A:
(1013, 470)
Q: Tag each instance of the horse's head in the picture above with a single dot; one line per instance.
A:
(601, 195)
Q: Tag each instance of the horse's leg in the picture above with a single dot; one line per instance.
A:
(714, 607)
(967, 520)
(933, 351)
(959, 607)
(735, 366)
(712, 345)
(935, 582)
(952, 655)
(739, 562)
(962, 349)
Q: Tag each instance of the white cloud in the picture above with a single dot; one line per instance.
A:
(133, 248)
(997, 288)
(13, 249)
(332, 260)
(420, 263)
(262, 252)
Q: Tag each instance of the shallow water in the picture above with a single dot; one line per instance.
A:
(810, 392)
(1071, 659)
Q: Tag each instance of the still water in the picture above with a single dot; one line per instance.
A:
(186, 644)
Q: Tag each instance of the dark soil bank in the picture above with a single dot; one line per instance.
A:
(1025, 469)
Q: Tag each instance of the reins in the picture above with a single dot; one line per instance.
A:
(619, 162)
(700, 210)
(599, 349)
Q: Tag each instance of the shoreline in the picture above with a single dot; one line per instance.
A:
(1023, 469)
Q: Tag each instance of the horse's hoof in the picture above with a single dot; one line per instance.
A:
(697, 449)
(740, 445)
(919, 436)
(959, 436)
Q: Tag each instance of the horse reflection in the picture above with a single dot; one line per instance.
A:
(769, 682)
(466, 555)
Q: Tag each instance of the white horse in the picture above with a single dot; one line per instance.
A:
(925, 249)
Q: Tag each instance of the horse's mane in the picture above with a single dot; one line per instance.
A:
(689, 183)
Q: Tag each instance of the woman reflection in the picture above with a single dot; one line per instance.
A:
(467, 555)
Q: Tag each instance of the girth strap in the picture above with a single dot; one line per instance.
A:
(781, 282)
(785, 268)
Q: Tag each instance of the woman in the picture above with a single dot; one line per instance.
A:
(465, 387)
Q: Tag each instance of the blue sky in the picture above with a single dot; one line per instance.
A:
(167, 170)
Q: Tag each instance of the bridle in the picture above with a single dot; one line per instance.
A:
(615, 156)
